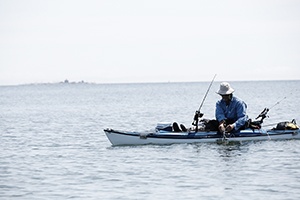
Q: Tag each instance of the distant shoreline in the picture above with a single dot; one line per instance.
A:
(67, 82)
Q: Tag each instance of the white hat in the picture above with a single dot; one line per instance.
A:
(225, 89)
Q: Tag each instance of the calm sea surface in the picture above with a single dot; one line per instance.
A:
(53, 145)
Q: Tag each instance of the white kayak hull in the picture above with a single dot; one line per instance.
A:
(163, 137)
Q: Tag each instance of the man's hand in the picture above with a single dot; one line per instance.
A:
(229, 128)
(226, 129)
(221, 128)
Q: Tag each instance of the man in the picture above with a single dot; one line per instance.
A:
(230, 110)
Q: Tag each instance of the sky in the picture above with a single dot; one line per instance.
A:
(128, 41)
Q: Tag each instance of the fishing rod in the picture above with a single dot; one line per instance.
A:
(278, 102)
(198, 114)
(265, 111)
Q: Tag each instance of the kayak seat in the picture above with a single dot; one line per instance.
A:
(176, 127)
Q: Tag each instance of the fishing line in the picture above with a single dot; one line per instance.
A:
(268, 135)
(278, 102)
(224, 136)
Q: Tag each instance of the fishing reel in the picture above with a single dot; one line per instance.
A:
(263, 115)
(197, 115)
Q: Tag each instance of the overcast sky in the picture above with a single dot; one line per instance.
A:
(112, 41)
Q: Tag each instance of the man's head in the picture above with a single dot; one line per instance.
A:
(226, 91)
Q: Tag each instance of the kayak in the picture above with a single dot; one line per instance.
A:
(205, 130)
(163, 136)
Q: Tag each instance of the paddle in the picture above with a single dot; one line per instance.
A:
(198, 114)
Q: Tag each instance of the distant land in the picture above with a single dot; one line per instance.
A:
(65, 82)
(73, 82)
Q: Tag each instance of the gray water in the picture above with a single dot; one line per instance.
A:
(53, 145)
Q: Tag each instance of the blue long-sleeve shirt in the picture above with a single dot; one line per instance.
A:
(235, 111)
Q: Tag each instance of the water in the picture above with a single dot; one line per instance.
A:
(53, 145)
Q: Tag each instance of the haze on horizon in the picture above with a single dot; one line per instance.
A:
(113, 41)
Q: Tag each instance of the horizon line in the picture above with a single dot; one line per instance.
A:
(146, 82)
